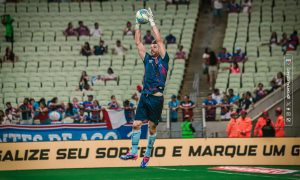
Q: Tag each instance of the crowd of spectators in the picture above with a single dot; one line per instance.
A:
(211, 63)
(240, 126)
(186, 106)
(97, 50)
(229, 101)
(234, 7)
(40, 112)
(85, 78)
(287, 43)
(220, 7)
(82, 30)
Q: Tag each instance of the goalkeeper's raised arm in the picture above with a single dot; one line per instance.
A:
(159, 40)
(137, 37)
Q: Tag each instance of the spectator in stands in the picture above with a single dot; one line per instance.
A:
(128, 29)
(8, 119)
(170, 39)
(218, 8)
(95, 112)
(234, 68)
(249, 96)
(187, 106)
(70, 111)
(25, 112)
(284, 42)
(212, 69)
(81, 117)
(100, 49)
(9, 31)
(279, 124)
(279, 80)
(205, 58)
(82, 30)
(231, 128)
(225, 108)
(293, 41)
(42, 113)
(224, 56)
(129, 111)
(87, 106)
(2, 118)
(259, 92)
(70, 31)
(110, 76)
(96, 31)
(244, 125)
(76, 105)
(136, 96)
(261, 122)
(148, 38)
(268, 130)
(173, 107)
(234, 7)
(210, 106)
(217, 96)
(119, 49)
(11, 113)
(180, 54)
(9, 56)
(36, 106)
(273, 86)
(244, 102)
(169, 2)
(273, 39)
(246, 5)
(54, 105)
(31, 103)
(113, 104)
(83, 82)
(86, 49)
(239, 56)
(232, 97)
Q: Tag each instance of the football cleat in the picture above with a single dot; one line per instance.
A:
(129, 156)
(145, 162)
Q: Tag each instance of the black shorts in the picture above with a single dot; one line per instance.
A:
(150, 108)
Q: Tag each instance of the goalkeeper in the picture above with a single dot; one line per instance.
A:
(151, 101)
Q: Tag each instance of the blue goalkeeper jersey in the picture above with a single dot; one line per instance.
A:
(155, 74)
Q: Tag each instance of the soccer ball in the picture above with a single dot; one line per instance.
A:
(142, 16)
(54, 116)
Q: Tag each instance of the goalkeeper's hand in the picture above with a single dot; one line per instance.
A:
(150, 16)
(137, 25)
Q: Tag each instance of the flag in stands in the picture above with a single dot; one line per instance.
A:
(114, 118)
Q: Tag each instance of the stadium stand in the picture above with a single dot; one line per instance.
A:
(252, 32)
(50, 65)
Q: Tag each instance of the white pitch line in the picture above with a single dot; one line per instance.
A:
(221, 172)
(170, 169)
(243, 174)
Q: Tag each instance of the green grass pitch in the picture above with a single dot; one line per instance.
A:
(155, 173)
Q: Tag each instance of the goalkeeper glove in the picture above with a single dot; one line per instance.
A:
(150, 16)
